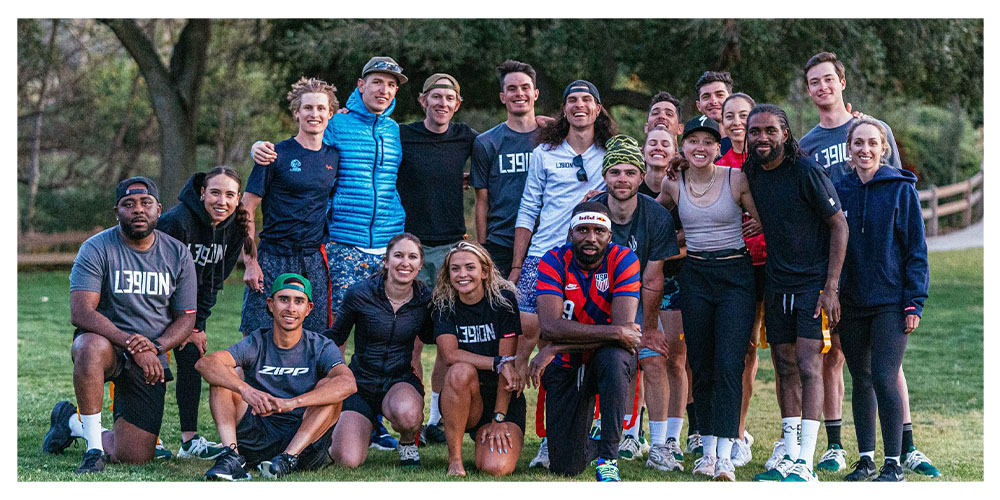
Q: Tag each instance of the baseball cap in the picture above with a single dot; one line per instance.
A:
(384, 64)
(122, 190)
(582, 86)
(430, 84)
(288, 281)
(701, 123)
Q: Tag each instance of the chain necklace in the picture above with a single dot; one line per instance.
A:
(715, 173)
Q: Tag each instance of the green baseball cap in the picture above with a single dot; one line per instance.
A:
(291, 281)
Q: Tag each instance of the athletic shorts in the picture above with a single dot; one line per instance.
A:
(368, 400)
(348, 266)
(646, 352)
(503, 257)
(263, 438)
(313, 266)
(527, 285)
(671, 294)
(759, 279)
(516, 409)
(788, 317)
(433, 260)
(139, 403)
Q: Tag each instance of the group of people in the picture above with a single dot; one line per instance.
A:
(613, 257)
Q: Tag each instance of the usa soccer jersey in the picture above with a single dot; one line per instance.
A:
(587, 295)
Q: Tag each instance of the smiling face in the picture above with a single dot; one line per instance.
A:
(377, 91)
(710, 99)
(289, 308)
(700, 149)
(137, 213)
(440, 104)
(659, 148)
(403, 262)
(662, 115)
(734, 119)
(518, 93)
(313, 114)
(465, 273)
(221, 195)
(867, 147)
(590, 242)
(825, 88)
(766, 138)
(581, 110)
(623, 181)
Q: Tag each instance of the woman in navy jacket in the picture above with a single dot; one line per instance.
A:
(882, 290)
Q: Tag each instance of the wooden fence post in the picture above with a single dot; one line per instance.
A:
(932, 228)
(967, 196)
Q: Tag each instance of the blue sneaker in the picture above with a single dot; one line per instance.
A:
(607, 471)
(382, 440)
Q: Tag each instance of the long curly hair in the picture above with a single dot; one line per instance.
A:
(792, 151)
(243, 217)
(605, 128)
(444, 296)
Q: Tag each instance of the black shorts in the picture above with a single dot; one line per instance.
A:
(759, 279)
(503, 257)
(516, 409)
(263, 438)
(788, 317)
(368, 400)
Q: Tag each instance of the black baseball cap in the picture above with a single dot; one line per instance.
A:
(701, 123)
(122, 190)
(582, 86)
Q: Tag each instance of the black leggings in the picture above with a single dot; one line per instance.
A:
(873, 343)
(188, 386)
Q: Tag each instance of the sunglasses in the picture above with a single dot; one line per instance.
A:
(581, 174)
(386, 66)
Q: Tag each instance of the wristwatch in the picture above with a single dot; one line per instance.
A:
(159, 348)
(499, 417)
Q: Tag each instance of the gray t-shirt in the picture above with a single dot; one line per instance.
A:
(285, 373)
(828, 146)
(500, 158)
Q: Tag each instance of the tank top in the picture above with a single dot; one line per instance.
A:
(717, 226)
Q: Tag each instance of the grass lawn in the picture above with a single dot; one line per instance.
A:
(944, 368)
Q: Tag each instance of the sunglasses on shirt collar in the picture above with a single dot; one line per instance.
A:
(581, 174)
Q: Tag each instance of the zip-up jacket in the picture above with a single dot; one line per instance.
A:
(886, 262)
(383, 339)
(213, 249)
(365, 208)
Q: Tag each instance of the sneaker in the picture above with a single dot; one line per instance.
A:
(279, 466)
(58, 438)
(199, 447)
(741, 453)
(776, 455)
(542, 458)
(834, 459)
(408, 455)
(432, 434)
(161, 452)
(595, 430)
(748, 437)
(661, 458)
(800, 473)
(705, 466)
(607, 470)
(694, 444)
(890, 472)
(229, 466)
(382, 440)
(864, 469)
(675, 449)
(93, 461)
(915, 461)
(724, 470)
(629, 448)
(778, 472)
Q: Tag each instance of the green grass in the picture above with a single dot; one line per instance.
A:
(944, 367)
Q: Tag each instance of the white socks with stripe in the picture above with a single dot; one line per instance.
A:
(91, 429)
(791, 428)
(810, 429)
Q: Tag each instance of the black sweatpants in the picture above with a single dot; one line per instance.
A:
(873, 342)
(188, 386)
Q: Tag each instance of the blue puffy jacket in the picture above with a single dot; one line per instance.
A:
(365, 208)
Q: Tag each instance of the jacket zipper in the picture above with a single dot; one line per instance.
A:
(371, 226)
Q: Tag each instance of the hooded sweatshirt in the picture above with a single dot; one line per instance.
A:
(213, 249)
(886, 262)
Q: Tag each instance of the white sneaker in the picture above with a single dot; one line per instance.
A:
(661, 458)
(748, 437)
(741, 453)
(409, 455)
(675, 449)
(629, 448)
(833, 459)
(777, 473)
(800, 473)
(542, 458)
(694, 444)
(724, 470)
(199, 447)
(776, 455)
(705, 466)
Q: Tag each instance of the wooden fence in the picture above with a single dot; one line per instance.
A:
(965, 194)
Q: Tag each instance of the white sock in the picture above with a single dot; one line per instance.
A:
(791, 427)
(634, 430)
(725, 447)
(869, 454)
(810, 429)
(658, 431)
(435, 409)
(894, 460)
(708, 445)
(75, 426)
(91, 427)
(674, 425)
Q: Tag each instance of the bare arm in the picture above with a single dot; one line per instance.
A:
(482, 207)
(668, 193)
(219, 369)
(83, 314)
(332, 389)
(522, 238)
(253, 276)
(448, 348)
(177, 331)
(829, 300)
(556, 329)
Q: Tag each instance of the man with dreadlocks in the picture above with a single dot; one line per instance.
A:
(807, 241)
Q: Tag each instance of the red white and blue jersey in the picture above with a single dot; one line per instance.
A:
(587, 294)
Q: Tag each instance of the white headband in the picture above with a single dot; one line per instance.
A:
(590, 218)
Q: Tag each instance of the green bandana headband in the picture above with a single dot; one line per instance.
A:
(622, 149)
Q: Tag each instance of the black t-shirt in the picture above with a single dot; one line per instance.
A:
(794, 201)
(430, 181)
(650, 233)
(480, 327)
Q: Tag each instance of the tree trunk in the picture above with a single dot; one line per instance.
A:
(34, 172)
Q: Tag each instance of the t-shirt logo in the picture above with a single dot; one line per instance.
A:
(296, 166)
(283, 370)
(601, 280)
(832, 203)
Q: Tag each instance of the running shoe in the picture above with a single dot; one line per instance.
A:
(432, 434)
(890, 472)
(748, 437)
(279, 466)
(694, 444)
(915, 461)
(382, 440)
(776, 454)
(741, 454)
(675, 449)
(864, 469)
(409, 456)
(58, 438)
(661, 458)
(800, 473)
(199, 447)
(834, 459)
(93, 461)
(542, 458)
(607, 471)
(629, 448)
(705, 466)
(778, 472)
(229, 466)
(724, 470)
(161, 452)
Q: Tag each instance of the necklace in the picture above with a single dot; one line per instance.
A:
(715, 172)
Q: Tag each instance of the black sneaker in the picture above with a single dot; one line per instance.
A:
(432, 434)
(279, 466)
(864, 469)
(59, 438)
(93, 461)
(229, 466)
(890, 472)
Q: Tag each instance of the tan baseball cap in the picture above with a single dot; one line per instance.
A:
(431, 83)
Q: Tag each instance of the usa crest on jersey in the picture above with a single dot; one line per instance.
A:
(601, 280)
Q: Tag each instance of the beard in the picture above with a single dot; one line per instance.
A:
(137, 235)
(775, 152)
(585, 259)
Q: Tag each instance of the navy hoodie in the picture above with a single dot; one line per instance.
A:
(886, 262)
(214, 249)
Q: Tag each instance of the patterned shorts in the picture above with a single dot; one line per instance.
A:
(527, 285)
(671, 294)
(348, 266)
(312, 267)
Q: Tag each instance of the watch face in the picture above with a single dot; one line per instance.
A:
(499, 417)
